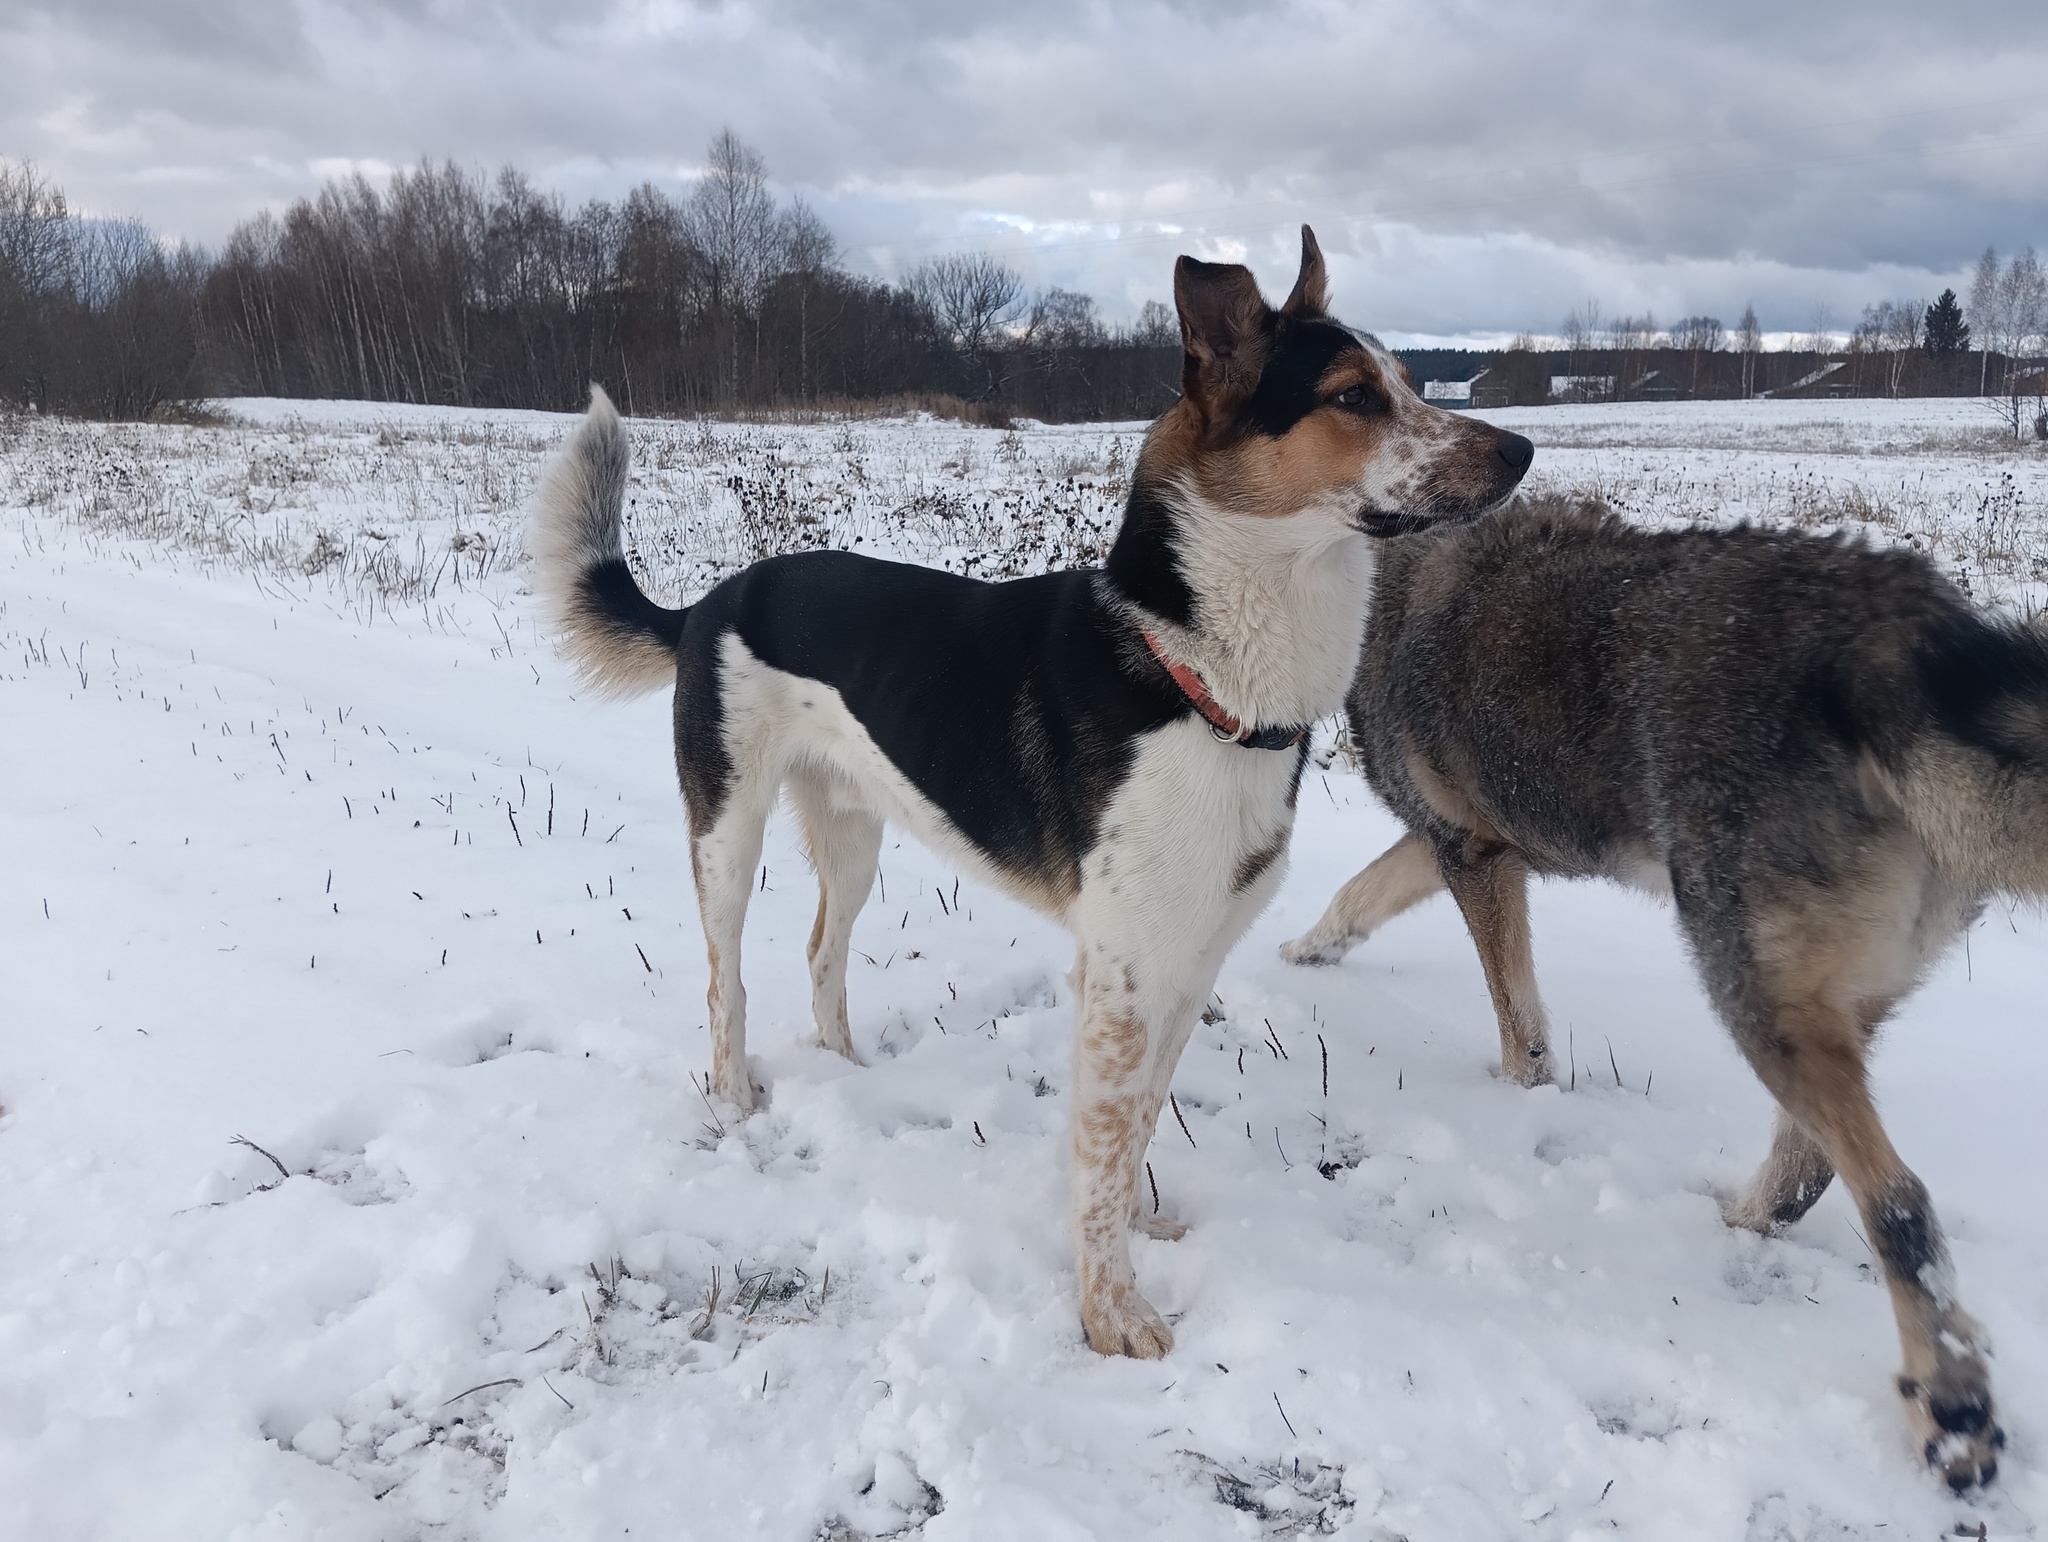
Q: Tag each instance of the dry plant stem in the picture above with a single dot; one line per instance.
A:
(282, 1172)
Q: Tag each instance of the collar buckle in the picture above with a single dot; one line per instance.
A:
(1222, 725)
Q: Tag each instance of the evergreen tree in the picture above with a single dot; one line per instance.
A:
(1947, 333)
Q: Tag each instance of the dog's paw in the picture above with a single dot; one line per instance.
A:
(840, 1043)
(1744, 1212)
(1315, 949)
(736, 1087)
(1124, 1323)
(1531, 1070)
(1159, 1227)
(1957, 1432)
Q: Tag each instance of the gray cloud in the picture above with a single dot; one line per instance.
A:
(1473, 167)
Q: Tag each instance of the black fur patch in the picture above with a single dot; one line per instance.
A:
(1144, 562)
(1793, 1207)
(1014, 707)
(609, 590)
(1905, 1233)
(1978, 674)
(1300, 765)
(1961, 1416)
(1301, 354)
(1252, 866)
(703, 764)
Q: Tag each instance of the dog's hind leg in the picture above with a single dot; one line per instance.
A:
(1492, 891)
(1808, 1047)
(843, 842)
(1790, 1183)
(1400, 878)
(722, 861)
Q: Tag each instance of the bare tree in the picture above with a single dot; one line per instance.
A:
(1582, 332)
(732, 216)
(1986, 325)
(1157, 326)
(1698, 336)
(1628, 339)
(2023, 314)
(972, 296)
(1061, 338)
(1749, 341)
(1891, 330)
(1820, 341)
(802, 243)
(35, 230)
(1061, 318)
(35, 268)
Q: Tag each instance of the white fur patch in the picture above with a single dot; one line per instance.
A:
(1279, 607)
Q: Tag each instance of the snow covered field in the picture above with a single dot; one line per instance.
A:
(356, 1184)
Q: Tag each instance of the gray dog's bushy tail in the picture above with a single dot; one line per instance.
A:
(621, 642)
(1982, 787)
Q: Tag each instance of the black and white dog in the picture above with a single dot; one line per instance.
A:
(1119, 748)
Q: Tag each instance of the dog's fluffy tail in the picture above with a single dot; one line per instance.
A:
(622, 643)
(1978, 785)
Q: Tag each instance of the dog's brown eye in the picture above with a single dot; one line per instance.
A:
(1358, 398)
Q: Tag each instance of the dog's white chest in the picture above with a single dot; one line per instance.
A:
(1187, 824)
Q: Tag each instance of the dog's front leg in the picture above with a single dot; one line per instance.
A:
(1398, 879)
(1113, 1113)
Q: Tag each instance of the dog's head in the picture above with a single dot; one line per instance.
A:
(1287, 412)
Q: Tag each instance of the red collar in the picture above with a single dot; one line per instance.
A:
(1220, 722)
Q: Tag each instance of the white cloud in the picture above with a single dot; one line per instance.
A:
(1475, 166)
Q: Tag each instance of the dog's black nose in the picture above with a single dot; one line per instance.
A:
(1515, 452)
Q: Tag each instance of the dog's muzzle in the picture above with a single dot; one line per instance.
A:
(1512, 455)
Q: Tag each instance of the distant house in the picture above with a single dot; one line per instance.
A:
(1582, 388)
(1452, 393)
(1808, 381)
(1657, 386)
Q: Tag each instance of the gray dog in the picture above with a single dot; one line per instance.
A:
(1823, 753)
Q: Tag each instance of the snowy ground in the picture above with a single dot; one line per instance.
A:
(312, 854)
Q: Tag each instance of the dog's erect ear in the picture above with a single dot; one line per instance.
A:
(1224, 325)
(1311, 296)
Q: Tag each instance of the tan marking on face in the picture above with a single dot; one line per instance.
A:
(1326, 454)
(1411, 453)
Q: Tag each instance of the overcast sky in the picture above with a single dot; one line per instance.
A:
(1473, 168)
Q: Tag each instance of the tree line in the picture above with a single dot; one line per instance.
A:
(452, 288)
(1996, 348)
(96, 316)
(448, 287)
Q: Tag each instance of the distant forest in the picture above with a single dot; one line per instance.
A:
(447, 287)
